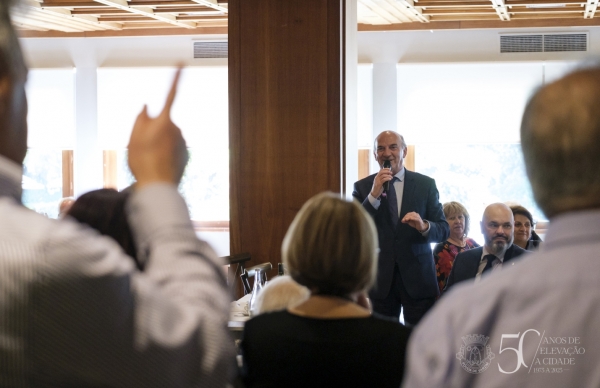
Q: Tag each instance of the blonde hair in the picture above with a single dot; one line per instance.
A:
(331, 246)
(451, 208)
(279, 294)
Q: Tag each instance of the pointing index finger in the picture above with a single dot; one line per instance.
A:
(172, 93)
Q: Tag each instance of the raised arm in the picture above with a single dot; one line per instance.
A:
(102, 322)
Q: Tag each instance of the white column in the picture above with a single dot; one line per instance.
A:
(351, 60)
(87, 158)
(384, 101)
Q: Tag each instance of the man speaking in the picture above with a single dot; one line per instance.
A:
(406, 209)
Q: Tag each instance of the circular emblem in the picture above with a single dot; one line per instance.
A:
(475, 355)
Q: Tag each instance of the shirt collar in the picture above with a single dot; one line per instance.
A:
(485, 252)
(11, 176)
(401, 174)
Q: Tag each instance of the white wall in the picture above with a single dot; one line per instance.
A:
(459, 46)
(115, 52)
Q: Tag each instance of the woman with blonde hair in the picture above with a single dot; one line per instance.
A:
(445, 252)
(330, 339)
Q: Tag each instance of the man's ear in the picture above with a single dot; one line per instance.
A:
(481, 227)
(404, 152)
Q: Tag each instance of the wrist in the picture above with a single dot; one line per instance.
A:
(425, 227)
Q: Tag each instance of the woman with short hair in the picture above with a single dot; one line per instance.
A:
(445, 252)
(331, 339)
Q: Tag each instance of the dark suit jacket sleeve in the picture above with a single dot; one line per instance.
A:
(465, 267)
(438, 226)
(361, 192)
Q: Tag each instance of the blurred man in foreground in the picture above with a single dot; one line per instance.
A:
(534, 324)
(74, 311)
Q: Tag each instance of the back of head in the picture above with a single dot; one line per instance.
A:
(279, 294)
(331, 246)
(560, 137)
(104, 210)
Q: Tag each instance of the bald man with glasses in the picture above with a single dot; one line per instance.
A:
(497, 226)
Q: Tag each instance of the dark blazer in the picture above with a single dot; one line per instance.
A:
(466, 264)
(404, 245)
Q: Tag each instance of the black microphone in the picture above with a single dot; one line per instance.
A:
(386, 185)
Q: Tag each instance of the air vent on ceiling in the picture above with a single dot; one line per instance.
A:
(543, 43)
(210, 50)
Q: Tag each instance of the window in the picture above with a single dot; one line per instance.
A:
(47, 170)
(477, 175)
(464, 121)
(200, 110)
(42, 181)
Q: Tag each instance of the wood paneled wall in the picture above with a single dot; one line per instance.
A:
(67, 173)
(285, 115)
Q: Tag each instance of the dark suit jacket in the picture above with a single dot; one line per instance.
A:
(466, 264)
(404, 245)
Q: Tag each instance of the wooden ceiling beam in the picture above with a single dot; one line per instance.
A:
(547, 10)
(212, 4)
(459, 12)
(430, 11)
(166, 27)
(93, 4)
(486, 4)
(137, 18)
(450, 4)
(105, 11)
(199, 9)
(521, 16)
(485, 24)
(122, 4)
(19, 18)
(439, 18)
(69, 17)
(542, 2)
(201, 18)
(200, 30)
(398, 16)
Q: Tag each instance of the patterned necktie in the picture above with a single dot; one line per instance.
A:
(393, 202)
(488, 266)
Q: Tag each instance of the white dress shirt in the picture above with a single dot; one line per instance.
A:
(75, 312)
(496, 264)
(399, 188)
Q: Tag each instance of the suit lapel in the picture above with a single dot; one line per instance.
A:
(474, 262)
(407, 203)
(508, 256)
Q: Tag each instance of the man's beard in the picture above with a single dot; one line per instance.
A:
(499, 247)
